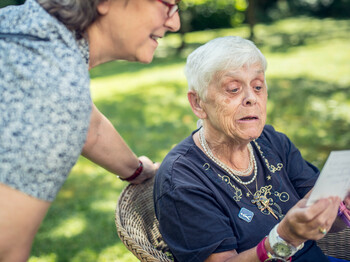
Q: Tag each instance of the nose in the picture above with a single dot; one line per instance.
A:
(173, 23)
(249, 97)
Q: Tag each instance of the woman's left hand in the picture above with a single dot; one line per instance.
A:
(303, 222)
(149, 170)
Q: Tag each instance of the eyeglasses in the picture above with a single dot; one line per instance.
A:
(173, 8)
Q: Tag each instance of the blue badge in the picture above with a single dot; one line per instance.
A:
(245, 214)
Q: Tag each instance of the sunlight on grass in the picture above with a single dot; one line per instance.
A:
(325, 61)
(69, 228)
(103, 205)
(46, 258)
(129, 82)
(117, 252)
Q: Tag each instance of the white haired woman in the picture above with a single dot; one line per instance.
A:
(47, 116)
(235, 189)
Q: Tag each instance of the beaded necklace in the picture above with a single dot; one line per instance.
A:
(232, 172)
(260, 200)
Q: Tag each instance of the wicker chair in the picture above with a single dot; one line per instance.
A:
(137, 225)
(336, 244)
(138, 228)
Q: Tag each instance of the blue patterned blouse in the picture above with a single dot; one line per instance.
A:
(45, 102)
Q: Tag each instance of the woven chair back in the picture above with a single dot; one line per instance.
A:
(137, 225)
(336, 244)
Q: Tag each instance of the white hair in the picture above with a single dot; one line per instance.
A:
(217, 55)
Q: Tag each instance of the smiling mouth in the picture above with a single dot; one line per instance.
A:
(155, 38)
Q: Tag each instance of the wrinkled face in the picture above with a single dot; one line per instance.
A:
(235, 105)
(132, 28)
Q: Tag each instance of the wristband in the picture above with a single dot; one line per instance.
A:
(137, 172)
(261, 250)
(344, 214)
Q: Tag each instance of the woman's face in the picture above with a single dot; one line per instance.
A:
(236, 104)
(131, 28)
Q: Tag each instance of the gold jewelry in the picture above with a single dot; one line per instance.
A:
(271, 168)
(322, 230)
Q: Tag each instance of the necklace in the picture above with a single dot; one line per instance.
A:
(259, 199)
(233, 173)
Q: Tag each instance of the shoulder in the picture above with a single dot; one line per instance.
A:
(274, 139)
(180, 168)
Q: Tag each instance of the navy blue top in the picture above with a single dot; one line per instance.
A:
(202, 210)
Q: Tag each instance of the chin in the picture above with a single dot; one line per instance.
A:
(145, 58)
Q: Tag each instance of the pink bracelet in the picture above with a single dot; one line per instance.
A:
(137, 172)
(261, 250)
(344, 213)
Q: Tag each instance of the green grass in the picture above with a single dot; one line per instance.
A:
(309, 100)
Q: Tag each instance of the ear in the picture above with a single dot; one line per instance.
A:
(103, 7)
(196, 104)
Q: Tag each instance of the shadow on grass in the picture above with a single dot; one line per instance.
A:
(314, 114)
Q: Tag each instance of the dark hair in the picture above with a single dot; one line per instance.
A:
(76, 15)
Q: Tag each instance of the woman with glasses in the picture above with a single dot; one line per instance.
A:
(47, 116)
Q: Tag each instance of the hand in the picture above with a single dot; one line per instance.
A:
(302, 223)
(149, 170)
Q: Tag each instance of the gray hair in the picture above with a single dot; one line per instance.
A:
(219, 54)
(76, 15)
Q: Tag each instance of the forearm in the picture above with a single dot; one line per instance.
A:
(105, 147)
(249, 255)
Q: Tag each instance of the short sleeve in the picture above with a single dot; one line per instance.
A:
(45, 108)
(193, 224)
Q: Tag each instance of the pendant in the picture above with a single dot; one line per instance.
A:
(262, 201)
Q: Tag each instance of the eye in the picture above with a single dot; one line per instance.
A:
(233, 90)
(232, 87)
(258, 88)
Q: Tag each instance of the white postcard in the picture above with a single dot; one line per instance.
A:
(334, 179)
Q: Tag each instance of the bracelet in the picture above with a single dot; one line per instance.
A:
(344, 213)
(264, 256)
(261, 250)
(137, 172)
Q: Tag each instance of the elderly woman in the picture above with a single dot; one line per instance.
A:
(47, 116)
(234, 190)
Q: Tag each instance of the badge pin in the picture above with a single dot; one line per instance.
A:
(246, 214)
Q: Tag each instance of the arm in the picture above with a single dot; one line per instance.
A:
(105, 147)
(300, 224)
(20, 217)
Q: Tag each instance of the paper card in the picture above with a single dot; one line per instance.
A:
(334, 179)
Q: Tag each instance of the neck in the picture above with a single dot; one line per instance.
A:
(237, 158)
(228, 151)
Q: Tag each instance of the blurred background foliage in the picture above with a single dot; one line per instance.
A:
(307, 47)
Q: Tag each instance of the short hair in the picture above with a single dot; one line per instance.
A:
(219, 54)
(76, 15)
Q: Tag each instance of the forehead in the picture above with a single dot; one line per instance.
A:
(246, 70)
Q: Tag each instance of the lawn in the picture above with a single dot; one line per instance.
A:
(309, 99)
